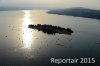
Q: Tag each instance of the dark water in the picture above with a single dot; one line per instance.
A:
(22, 46)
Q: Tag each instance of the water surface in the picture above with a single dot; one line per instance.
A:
(20, 45)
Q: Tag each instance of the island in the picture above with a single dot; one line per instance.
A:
(50, 29)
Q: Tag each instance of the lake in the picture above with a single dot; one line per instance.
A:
(22, 46)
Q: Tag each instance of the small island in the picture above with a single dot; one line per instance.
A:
(78, 12)
(50, 29)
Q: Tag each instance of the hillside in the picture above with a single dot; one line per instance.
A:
(78, 12)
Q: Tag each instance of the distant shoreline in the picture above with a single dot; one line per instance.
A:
(77, 12)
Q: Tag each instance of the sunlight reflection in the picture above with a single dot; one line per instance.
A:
(27, 34)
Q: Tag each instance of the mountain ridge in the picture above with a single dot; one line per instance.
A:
(78, 12)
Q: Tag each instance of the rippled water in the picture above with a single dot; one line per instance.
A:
(22, 46)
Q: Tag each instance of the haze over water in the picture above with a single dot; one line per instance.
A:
(47, 4)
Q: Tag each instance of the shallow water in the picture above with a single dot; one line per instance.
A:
(22, 46)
